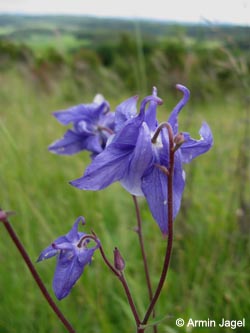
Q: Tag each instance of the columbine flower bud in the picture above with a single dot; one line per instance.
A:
(3, 215)
(118, 260)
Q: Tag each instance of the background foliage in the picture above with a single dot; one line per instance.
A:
(51, 63)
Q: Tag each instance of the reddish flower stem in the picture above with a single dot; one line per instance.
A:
(166, 262)
(143, 252)
(35, 275)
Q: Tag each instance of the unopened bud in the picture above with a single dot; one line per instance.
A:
(4, 215)
(118, 260)
(179, 139)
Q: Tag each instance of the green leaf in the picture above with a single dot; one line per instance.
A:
(154, 322)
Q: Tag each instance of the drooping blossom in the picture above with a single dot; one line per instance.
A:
(92, 124)
(73, 253)
(136, 161)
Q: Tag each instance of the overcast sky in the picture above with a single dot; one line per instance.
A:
(220, 11)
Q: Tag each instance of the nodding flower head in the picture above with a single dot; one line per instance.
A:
(136, 156)
(74, 251)
(92, 125)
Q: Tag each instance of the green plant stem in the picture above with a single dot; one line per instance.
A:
(169, 175)
(35, 275)
(143, 252)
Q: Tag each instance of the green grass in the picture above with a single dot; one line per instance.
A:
(209, 274)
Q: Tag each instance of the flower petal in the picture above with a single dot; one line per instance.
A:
(88, 112)
(50, 251)
(107, 120)
(106, 168)
(150, 115)
(85, 255)
(70, 266)
(178, 183)
(173, 118)
(47, 253)
(68, 271)
(140, 160)
(66, 246)
(73, 143)
(110, 165)
(192, 148)
(70, 144)
(125, 111)
(73, 234)
(154, 187)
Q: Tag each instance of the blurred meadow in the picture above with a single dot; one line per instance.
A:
(51, 63)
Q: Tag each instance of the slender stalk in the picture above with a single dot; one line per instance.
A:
(169, 175)
(130, 299)
(121, 277)
(143, 252)
(35, 275)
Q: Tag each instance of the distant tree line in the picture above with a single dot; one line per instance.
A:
(135, 64)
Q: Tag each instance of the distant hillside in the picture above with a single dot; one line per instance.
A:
(98, 52)
(81, 30)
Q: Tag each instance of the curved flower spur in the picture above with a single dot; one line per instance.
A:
(137, 154)
(73, 253)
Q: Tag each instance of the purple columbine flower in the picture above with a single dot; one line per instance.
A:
(135, 159)
(92, 125)
(73, 254)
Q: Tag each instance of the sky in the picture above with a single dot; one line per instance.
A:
(215, 11)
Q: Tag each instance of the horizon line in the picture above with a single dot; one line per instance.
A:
(202, 21)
